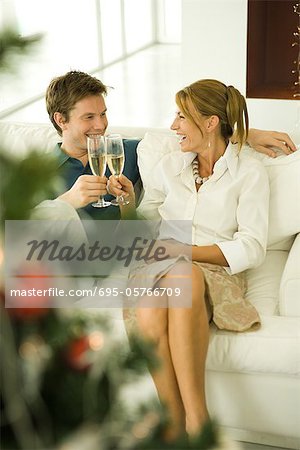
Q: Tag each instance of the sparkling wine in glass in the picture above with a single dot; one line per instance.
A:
(97, 159)
(115, 161)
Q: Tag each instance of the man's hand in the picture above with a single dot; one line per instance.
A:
(263, 141)
(85, 190)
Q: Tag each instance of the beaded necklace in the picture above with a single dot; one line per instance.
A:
(197, 178)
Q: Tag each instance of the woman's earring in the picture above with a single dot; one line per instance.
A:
(208, 145)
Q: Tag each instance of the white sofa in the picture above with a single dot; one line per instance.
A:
(253, 378)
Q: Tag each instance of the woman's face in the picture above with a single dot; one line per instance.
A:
(192, 139)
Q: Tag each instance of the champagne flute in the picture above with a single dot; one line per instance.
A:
(97, 159)
(115, 161)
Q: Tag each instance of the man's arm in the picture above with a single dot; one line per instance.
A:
(262, 141)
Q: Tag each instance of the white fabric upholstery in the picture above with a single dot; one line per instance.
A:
(55, 210)
(246, 353)
(19, 137)
(284, 220)
(263, 282)
(289, 293)
(151, 149)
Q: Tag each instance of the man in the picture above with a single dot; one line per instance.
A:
(76, 107)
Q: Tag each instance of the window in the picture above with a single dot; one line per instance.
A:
(111, 30)
(169, 21)
(69, 42)
(138, 23)
(85, 35)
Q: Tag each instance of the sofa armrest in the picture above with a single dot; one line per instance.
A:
(60, 215)
(289, 291)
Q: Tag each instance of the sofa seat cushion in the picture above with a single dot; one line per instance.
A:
(274, 348)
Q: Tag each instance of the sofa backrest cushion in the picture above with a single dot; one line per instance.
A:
(284, 217)
(263, 282)
(289, 292)
(20, 137)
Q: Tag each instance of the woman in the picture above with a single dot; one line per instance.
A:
(225, 197)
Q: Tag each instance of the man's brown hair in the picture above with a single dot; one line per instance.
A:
(65, 91)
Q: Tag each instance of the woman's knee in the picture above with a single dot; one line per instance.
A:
(198, 282)
(178, 285)
(152, 322)
(185, 282)
(197, 278)
(181, 269)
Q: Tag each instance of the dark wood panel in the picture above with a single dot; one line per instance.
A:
(270, 55)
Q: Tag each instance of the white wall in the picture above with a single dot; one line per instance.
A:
(214, 44)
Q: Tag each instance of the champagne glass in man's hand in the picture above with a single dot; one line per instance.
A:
(97, 159)
(115, 161)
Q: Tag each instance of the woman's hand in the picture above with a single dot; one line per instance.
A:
(123, 186)
(166, 249)
(262, 141)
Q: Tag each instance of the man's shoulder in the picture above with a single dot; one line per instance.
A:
(59, 154)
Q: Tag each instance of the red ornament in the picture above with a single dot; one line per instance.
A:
(81, 352)
(76, 355)
(29, 297)
(27, 313)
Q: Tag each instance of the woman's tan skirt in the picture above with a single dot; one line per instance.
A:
(224, 293)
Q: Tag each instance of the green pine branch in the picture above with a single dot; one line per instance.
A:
(12, 45)
(25, 183)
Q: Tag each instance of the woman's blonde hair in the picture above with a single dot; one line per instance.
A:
(212, 97)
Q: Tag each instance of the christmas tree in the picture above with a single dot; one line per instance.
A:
(62, 372)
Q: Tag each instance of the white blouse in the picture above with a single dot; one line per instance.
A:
(229, 210)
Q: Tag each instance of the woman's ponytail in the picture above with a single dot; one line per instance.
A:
(237, 115)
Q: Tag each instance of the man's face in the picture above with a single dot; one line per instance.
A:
(87, 117)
